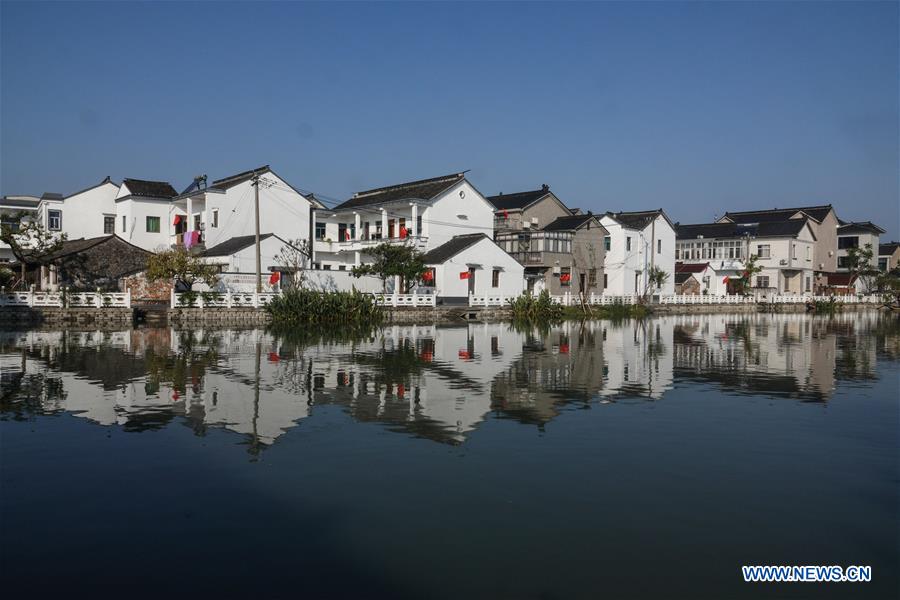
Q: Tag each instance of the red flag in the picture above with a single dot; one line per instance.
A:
(505, 214)
(464, 354)
(464, 275)
(565, 277)
(275, 277)
(273, 357)
(177, 220)
(563, 348)
(725, 280)
(428, 275)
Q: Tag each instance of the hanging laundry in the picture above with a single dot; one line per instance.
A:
(275, 277)
(403, 232)
(195, 238)
(186, 239)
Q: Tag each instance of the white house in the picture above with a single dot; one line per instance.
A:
(857, 235)
(636, 243)
(89, 213)
(144, 213)
(473, 264)
(225, 209)
(426, 213)
(785, 251)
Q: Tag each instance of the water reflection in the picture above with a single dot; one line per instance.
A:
(433, 382)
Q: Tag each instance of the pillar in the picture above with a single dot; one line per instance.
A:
(414, 226)
(358, 224)
(384, 224)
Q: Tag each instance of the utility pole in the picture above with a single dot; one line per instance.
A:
(255, 181)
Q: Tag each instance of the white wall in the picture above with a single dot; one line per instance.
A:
(442, 220)
(136, 210)
(490, 256)
(82, 213)
(620, 265)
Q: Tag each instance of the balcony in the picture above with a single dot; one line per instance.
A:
(363, 244)
(537, 248)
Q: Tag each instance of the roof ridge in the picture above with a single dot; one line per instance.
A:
(396, 186)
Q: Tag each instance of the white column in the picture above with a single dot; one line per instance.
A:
(358, 223)
(426, 227)
(384, 224)
(190, 216)
(356, 260)
(414, 225)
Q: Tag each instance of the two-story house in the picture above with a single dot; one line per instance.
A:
(144, 213)
(636, 243)
(86, 214)
(784, 250)
(561, 251)
(888, 256)
(823, 221)
(860, 235)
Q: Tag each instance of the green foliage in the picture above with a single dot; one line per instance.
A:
(394, 260)
(30, 243)
(6, 276)
(656, 278)
(861, 263)
(188, 299)
(829, 306)
(614, 312)
(294, 258)
(535, 308)
(751, 268)
(304, 307)
(182, 266)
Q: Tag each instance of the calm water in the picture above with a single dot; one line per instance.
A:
(600, 460)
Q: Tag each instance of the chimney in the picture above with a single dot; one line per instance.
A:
(545, 187)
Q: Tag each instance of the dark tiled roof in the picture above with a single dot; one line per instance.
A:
(106, 180)
(790, 227)
(859, 227)
(424, 189)
(569, 223)
(51, 196)
(638, 219)
(682, 277)
(235, 244)
(20, 202)
(681, 267)
(150, 189)
(448, 250)
(778, 214)
(233, 180)
(887, 249)
(519, 200)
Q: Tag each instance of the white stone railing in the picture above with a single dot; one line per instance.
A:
(220, 299)
(846, 299)
(706, 299)
(488, 300)
(396, 300)
(62, 299)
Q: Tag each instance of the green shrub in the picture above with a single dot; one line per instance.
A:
(535, 308)
(295, 307)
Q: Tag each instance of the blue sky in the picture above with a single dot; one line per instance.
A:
(697, 108)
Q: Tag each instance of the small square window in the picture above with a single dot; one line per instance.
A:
(109, 224)
(152, 224)
(54, 220)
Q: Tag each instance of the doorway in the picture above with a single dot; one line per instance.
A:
(471, 280)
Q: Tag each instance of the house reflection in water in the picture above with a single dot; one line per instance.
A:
(438, 383)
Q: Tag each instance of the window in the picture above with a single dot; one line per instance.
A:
(628, 244)
(54, 220)
(848, 242)
(592, 277)
(882, 264)
(390, 228)
(793, 250)
(320, 231)
(808, 283)
(197, 226)
(843, 262)
(342, 232)
(109, 224)
(495, 278)
(808, 258)
(152, 224)
(215, 217)
(659, 247)
(605, 281)
(124, 226)
(764, 251)
(418, 225)
(762, 281)
(607, 242)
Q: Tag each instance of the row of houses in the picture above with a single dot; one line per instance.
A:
(500, 244)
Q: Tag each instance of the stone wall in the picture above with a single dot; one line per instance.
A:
(219, 316)
(143, 290)
(14, 316)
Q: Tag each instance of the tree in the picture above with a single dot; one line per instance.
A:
(294, 258)
(656, 278)
(30, 242)
(860, 264)
(751, 268)
(182, 266)
(394, 260)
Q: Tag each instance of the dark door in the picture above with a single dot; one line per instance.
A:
(471, 280)
(581, 283)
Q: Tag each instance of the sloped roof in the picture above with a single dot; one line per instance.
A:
(150, 189)
(106, 180)
(681, 267)
(518, 200)
(789, 228)
(682, 277)
(423, 189)
(888, 249)
(449, 249)
(70, 247)
(20, 201)
(778, 214)
(570, 223)
(638, 219)
(235, 244)
(233, 180)
(859, 227)
(51, 196)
